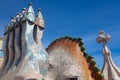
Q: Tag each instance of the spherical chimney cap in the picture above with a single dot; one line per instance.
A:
(24, 9)
(39, 9)
(101, 32)
(12, 17)
(30, 4)
(18, 13)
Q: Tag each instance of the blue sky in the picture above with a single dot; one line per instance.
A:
(76, 18)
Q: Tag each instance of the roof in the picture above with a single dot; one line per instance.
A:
(78, 53)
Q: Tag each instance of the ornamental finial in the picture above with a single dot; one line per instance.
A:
(39, 9)
(24, 9)
(30, 4)
(12, 20)
(30, 9)
(102, 37)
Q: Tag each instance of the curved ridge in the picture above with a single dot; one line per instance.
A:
(95, 71)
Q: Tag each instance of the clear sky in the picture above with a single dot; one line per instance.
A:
(76, 18)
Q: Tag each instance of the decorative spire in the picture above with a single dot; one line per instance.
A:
(110, 71)
(23, 14)
(12, 22)
(30, 9)
(39, 19)
(18, 16)
(31, 13)
(24, 10)
(39, 14)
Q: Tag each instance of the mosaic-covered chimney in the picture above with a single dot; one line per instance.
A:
(24, 55)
